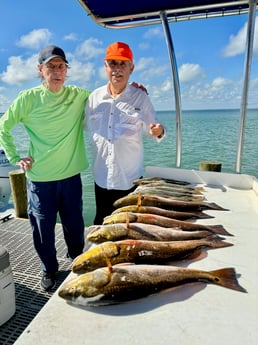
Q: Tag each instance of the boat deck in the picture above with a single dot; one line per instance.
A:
(193, 314)
(16, 237)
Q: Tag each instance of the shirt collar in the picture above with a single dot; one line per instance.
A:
(125, 92)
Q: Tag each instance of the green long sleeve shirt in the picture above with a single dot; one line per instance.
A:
(54, 123)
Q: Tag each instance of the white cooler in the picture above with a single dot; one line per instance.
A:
(7, 288)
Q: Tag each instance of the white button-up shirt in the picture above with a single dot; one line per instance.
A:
(116, 125)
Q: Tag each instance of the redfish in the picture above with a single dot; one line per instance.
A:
(168, 203)
(145, 180)
(126, 282)
(130, 217)
(141, 231)
(172, 193)
(163, 212)
(138, 251)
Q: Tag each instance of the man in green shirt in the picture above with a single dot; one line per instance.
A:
(52, 114)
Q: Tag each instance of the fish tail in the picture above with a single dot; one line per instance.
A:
(199, 189)
(227, 278)
(219, 229)
(214, 206)
(215, 241)
(201, 215)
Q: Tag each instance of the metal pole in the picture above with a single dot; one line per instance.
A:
(248, 60)
(176, 85)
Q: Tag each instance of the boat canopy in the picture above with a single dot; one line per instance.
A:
(132, 13)
(128, 13)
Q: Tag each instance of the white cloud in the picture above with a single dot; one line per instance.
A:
(90, 48)
(4, 103)
(144, 46)
(34, 39)
(144, 63)
(71, 37)
(151, 73)
(166, 85)
(80, 72)
(19, 71)
(219, 83)
(220, 92)
(190, 72)
(102, 73)
(154, 32)
(149, 68)
(237, 42)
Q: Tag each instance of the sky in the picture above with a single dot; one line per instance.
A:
(209, 52)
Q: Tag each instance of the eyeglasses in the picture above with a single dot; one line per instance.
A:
(117, 63)
(60, 67)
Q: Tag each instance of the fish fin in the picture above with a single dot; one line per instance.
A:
(219, 229)
(214, 206)
(202, 215)
(217, 242)
(196, 254)
(227, 277)
(108, 262)
(139, 202)
(127, 220)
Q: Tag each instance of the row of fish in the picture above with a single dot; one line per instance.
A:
(133, 249)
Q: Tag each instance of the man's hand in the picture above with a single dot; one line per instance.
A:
(156, 130)
(139, 86)
(25, 163)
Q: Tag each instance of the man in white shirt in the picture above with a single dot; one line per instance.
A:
(117, 114)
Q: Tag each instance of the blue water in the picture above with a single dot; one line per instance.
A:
(207, 135)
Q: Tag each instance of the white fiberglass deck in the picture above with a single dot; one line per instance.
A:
(193, 314)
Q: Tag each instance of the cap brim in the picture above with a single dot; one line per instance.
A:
(52, 57)
(116, 57)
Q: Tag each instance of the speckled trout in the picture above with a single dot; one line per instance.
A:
(127, 282)
(140, 231)
(140, 251)
(130, 217)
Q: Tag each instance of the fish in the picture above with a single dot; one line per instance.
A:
(140, 231)
(162, 184)
(163, 212)
(160, 179)
(170, 193)
(140, 251)
(131, 217)
(170, 188)
(126, 282)
(168, 203)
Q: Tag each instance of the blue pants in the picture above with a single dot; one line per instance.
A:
(45, 201)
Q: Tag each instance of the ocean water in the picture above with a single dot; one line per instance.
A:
(207, 135)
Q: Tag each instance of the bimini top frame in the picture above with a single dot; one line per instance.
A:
(133, 13)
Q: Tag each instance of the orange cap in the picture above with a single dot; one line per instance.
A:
(119, 51)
